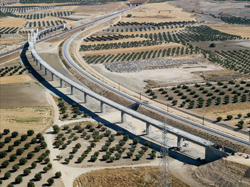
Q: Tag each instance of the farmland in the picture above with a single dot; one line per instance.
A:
(83, 143)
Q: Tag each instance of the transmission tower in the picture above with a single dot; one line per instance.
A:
(164, 175)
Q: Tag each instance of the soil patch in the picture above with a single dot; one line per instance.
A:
(139, 176)
(12, 21)
(9, 57)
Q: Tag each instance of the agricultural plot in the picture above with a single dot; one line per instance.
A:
(8, 30)
(43, 15)
(235, 20)
(68, 111)
(25, 161)
(45, 23)
(14, 70)
(204, 95)
(89, 144)
(143, 55)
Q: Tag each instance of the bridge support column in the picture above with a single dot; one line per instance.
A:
(46, 71)
(86, 98)
(53, 76)
(148, 128)
(61, 83)
(102, 107)
(41, 66)
(37, 62)
(123, 117)
(179, 141)
(72, 90)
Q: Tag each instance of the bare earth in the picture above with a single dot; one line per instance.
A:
(12, 22)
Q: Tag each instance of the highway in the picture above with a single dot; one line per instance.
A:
(68, 58)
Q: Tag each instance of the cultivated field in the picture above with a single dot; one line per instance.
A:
(12, 21)
(25, 159)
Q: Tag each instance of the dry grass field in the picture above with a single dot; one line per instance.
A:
(9, 57)
(158, 12)
(124, 177)
(12, 22)
(241, 30)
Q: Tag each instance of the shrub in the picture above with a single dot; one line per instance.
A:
(17, 143)
(7, 139)
(26, 171)
(46, 160)
(33, 165)
(18, 179)
(119, 133)
(7, 175)
(30, 184)
(64, 146)
(3, 154)
(14, 134)
(240, 126)
(56, 129)
(33, 140)
(80, 159)
(6, 131)
(104, 148)
(138, 157)
(229, 117)
(125, 137)
(43, 145)
(49, 165)
(129, 154)
(45, 169)
(27, 145)
(112, 159)
(24, 137)
(13, 157)
(37, 148)
(2, 144)
(30, 132)
(71, 156)
(74, 150)
(5, 163)
(66, 160)
(239, 115)
(219, 118)
(15, 167)
(58, 174)
(136, 141)
(118, 156)
(50, 181)
(152, 155)
(105, 157)
(30, 155)
(92, 144)
(93, 158)
(22, 161)
(38, 176)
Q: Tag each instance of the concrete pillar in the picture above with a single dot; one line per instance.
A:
(53, 76)
(102, 107)
(41, 66)
(179, 141)
(123, 117)
(86, 98)
(72, 90)
(61, 83)
(148, 128)
(46, 71)
(37, 62)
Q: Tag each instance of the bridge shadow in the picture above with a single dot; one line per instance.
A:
(45, 83)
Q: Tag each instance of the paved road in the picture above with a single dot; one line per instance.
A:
(68, 58)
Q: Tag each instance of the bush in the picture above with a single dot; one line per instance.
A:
(13, 157)
(6, 131)
(3, 154)
(2, 144)
(119, 133)
(30, 184)
(33, 140)
(27, 145)
(7, 139)
(138, 157)
(105, 157)
(46, 160)
(14, 134)
(38, 176)
(135, 141)
(118, 156)
(58, 174)
(30, 132)
(43, 145)
(80, 159)
(147, 144)
(15, 167)
(104, 148)
(18, 179)
(74, 150)
(56, 129)
(7, 175)
(24, 137)
(37, 148)
(229, 117)
(33, 165)
(212, 45)
(66, 160)
(17, 143)
(5, 163)
(49, 165)
(152, 155)
(71, 156)
(50, 181)
(30, 155)
(112, 159)
(239, 115)
(26, 171)
(22, 161)
(93, 158)
(45, 169)
(129, 154)
(219, 119)
(125, 137)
